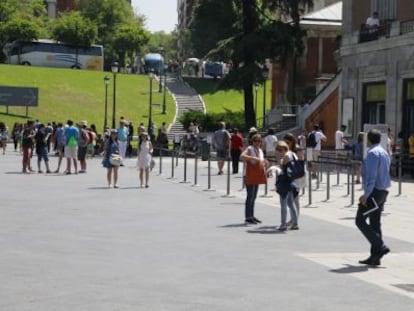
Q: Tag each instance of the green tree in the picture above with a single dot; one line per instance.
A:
(109, 15)
(21, 20)
(257, 35)
(74, 29)
(128, 39)
(214, 20)
(163, 43)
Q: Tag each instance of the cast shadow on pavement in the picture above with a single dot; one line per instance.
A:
(234, 226)
(347, 269)
(266, 230)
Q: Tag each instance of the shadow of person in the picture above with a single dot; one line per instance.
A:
(347, 269)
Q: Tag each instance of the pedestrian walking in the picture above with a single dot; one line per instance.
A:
(83, 142)
(60, 144)
(375, 181)
(122, 138)
(111, 148)
(314, 141)
(298, 183)
(28, 135)
(221, 142)
(144, 159)
(41, 138)
(236, 149)
(256, 163)
(4, 136)
(286, 189)
(71, 147)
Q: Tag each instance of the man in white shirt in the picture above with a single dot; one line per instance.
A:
(319, 138)
(340, 140)
(269, 143)
(373, 21)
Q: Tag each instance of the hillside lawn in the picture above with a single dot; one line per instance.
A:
(80, 95)
(218, 101)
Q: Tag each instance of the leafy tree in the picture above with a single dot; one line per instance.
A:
(128, 39)
(74, 29)
(163, 43)
(110, 16)
(21, 20)
(214, 20)
(260, 34)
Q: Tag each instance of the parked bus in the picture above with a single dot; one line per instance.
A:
(154, 62)
(49, 53)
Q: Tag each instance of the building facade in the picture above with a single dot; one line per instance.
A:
(377, 85)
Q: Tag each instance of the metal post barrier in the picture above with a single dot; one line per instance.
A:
(185, 168)
(160, 160)
(349, 181)
(195, 170)
(309, 189)
(244, 176)
(399, 175)
(353, 184)
(172, 165)
(177, 154)
(337, 178)
(328, 186)
(209, 175)
(228, 179)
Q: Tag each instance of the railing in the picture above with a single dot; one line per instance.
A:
(407, 27)
(369, 34)
(330, 164)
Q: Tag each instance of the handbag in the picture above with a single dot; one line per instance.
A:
(115, 159)
(295, 169)
(255, 173)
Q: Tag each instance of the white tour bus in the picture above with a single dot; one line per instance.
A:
(49, 53)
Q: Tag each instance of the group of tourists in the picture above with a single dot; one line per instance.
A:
(286, 158)
(76, 142)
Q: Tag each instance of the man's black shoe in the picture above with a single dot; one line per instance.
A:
(373, 260)
(384, 252)
(250, 221)
(257, 220)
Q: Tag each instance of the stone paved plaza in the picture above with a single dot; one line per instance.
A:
(70, 243)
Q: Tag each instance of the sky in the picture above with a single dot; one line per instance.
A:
(161, 14)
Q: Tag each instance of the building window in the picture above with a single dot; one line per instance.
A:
(387, 9)
(374, 103)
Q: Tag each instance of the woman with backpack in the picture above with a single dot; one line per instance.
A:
(286, 189)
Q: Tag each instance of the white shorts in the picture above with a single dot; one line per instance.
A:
(71, 152)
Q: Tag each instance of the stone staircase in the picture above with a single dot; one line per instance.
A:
(186, 98)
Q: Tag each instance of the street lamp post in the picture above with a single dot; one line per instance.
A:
(151, 77)
(256, 89)
(164, 103)
(106, 81)
(114, 68)
(265, 76)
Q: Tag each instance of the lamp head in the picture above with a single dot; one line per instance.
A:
(106, 80)
(114, 67)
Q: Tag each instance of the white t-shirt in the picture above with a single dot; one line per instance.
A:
(339, 137)
(372, 21)
(318, 137)
(270, 142)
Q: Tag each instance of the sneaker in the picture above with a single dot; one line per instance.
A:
(257, 220)
(116, 186)
(40, 171)
(294, 227)
(283, 227)
(250, 221)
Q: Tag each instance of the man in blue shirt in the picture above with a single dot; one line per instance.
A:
(376, 181)
(71, 134)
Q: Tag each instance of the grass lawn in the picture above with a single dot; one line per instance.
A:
(80, 95)
(218, 101)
